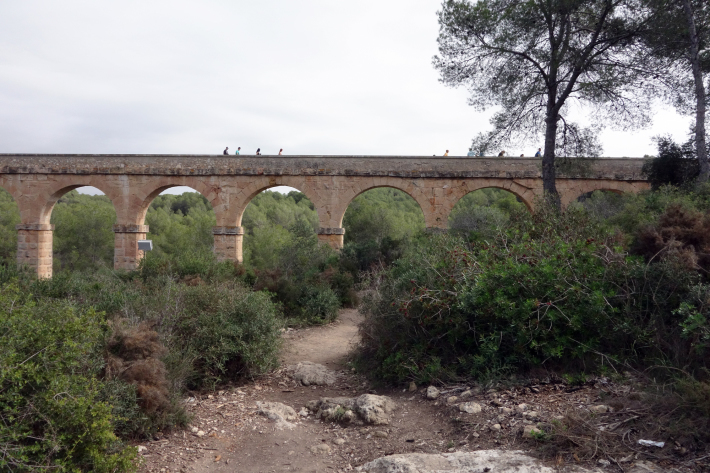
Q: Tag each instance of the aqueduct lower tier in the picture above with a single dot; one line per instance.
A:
(36, 182)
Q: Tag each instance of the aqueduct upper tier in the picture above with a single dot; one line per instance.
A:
(37, 181)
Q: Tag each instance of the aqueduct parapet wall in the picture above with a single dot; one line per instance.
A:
(38, 181)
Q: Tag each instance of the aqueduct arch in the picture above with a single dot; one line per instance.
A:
(345, 202)
(230, 182)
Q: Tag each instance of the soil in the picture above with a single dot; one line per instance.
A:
(228, 435)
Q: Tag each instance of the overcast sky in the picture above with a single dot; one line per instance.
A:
(308, 76)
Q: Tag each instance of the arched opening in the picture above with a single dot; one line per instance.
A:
(484, 212)
(602, 204)
(378, 225)
(9, 217)
(271, 220)
(282, 249)
(180, 222)
(83, 238)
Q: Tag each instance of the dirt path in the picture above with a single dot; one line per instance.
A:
(237, 439)
(228, 435)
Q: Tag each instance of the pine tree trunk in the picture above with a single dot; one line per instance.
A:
(548, 158)
(699, 96)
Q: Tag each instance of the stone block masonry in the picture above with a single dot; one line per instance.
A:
(38, 181)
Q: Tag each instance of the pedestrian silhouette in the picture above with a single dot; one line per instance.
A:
(281, 151)
(258, 151)
(226, 150)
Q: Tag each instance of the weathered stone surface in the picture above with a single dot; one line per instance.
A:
(369, 408)
(131, 182)
(530, 431)
(600, 409)
(497, 461)
(470, 407)
(432, 392)
(321, 448)
(374, 409)
(308, 374)
(278, 412)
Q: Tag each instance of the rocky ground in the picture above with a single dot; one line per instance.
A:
(324, 418)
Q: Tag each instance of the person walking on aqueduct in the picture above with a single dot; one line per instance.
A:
(226, 151)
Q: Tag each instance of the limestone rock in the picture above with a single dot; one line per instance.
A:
(530, 431)
(369, 408)
(452, 399)
(412, 386)
(321, 448)
(278, 412)
(339, 441)
(470, 407)
(497, 461)
(308, 374)
(600, 409)
(374, 409)
(432, 392)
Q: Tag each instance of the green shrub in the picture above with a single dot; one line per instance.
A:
(319, 304)
(675, 165)
(228, 330)
(50, 395)
(549, 290)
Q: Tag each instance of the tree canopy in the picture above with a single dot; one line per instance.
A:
(536, 59)
(681, 38)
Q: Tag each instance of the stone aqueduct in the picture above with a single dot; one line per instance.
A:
(37, 182)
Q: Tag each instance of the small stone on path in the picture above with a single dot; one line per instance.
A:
(276, 411)
(470, 407)
(312, 374)
(320, 449)
(530, 431)
(600, 409)
(432, 392)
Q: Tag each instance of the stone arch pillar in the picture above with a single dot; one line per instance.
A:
(36, 196)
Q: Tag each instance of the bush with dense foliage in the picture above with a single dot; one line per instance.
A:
(53, 415)
(167, 332)
(675, 164)
(307, 279)
(552, 290)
